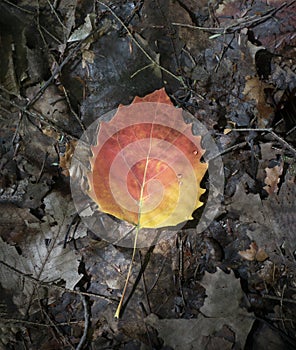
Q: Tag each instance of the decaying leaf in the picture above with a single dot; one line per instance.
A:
(254, 90)
(273, 178)
(65, 160)
(146, 166)
(271, 222)
(42, 256)
(249, 254)
(221, 308)
(254, 253)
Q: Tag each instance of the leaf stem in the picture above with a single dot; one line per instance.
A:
(117, 313)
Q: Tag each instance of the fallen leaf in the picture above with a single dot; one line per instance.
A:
(88, 56)
(65, 160)
(273, 178)
(83, 31)
(226, 131)
(221, 307)
(255, 90)
(42, 256)
(270, 222)
(254, 253)
(249, 254)
(261, 255)
(146, 166)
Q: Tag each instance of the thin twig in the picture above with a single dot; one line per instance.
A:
(223, 53)
(51, 35)
(144, 282)
(53, 325)
(150, 65)
(280, 299)
(248, 22)
(281, 306)
(59, 68)
(56, 14)
(11, 93)
(83, 339)
(76, 219)
(37, 20)
(118, 310)
(21, 114)
(19, 8)
(72, 110)
(42, 167)
(156, 64)
(239, 145)
(252, 129)
(54, 286)
(157, 276)
(273, 134)
(283, 142)
(39, 117)
(290, 131)
(30, 323)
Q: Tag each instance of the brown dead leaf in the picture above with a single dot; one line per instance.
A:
(273, 178)
(65, 160)
(50, 132)
(255, 90)
(261, 255)
(221, 311)
(249, 254)
(254, 253)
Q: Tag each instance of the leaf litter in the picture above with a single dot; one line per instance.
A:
(234, 74)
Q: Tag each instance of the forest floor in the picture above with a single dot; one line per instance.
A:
(230, 285)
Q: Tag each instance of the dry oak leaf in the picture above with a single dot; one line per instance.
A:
(146, 167)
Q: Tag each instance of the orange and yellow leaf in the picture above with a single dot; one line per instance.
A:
(146, 166)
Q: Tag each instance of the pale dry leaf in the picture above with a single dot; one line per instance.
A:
(9, 280)
(273, 178)
(255, 90)
(84, 30)
(220, 288)
(261, 255)
(43, 256)
(254, 253)
(249, 254)
(221, 307)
